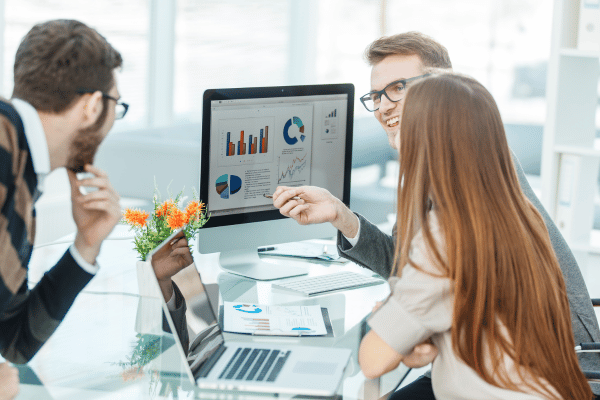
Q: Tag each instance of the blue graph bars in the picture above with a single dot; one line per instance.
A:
(254, 145)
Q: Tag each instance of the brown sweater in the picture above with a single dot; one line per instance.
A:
(27, 317)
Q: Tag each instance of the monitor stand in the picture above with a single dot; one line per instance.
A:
(247, 263)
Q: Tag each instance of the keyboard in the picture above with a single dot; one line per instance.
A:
(263, 363)
(238, 366)
(315, 285)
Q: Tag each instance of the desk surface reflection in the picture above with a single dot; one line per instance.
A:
(111, 344)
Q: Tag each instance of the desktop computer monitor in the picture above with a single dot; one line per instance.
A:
(256, 139)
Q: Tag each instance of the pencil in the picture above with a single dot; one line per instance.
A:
(175, 240)
(268, 196)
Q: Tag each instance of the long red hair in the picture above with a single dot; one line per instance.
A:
(510, 296)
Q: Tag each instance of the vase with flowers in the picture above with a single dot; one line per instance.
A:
(150, 230)
(168, 215)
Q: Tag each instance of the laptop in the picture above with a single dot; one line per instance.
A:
(216, 363)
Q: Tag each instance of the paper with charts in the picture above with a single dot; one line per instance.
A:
(260, 319)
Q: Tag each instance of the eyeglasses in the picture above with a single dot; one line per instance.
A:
(395, 92)
(120, 108)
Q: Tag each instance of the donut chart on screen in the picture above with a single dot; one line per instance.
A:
(227, 185)
(286, 134)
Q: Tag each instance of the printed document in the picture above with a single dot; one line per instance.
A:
(259, 319)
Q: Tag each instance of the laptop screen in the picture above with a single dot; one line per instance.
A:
(193, 322)
(210, 361)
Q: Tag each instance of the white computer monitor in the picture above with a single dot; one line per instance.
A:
(255, 139)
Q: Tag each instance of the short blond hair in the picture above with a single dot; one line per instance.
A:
(431, 53)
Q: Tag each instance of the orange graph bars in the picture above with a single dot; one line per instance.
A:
(241, 144)
(254, 145)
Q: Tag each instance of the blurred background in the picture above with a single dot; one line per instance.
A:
(173, 50)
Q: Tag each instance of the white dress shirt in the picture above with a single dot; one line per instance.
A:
(354, 240)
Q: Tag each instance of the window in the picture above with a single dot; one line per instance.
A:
(112, 18)
(228, 43)
(345, 29)
(503, 44)
(232, 43)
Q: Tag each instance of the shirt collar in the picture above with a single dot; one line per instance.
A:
(36, 138)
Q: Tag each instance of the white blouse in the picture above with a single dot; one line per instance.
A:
(420, 307)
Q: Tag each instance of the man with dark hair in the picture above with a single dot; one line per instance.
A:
(65, 101)
(397, 61)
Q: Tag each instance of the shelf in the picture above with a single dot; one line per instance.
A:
(578, 150)
(579, 53)
(592, 247)
(585, 249)
(572, 151)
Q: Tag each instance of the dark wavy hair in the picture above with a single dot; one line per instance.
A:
(58, 59)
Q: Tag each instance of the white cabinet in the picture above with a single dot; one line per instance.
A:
(571, 153)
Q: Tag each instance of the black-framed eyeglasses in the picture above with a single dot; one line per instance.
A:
(120, 108)
(395, 92)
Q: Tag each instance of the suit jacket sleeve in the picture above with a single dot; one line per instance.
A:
(179, 320)
(374, 250)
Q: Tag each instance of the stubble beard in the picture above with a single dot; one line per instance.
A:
(83, 149)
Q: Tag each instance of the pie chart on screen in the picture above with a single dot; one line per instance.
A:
(227, 185)
(291, 140)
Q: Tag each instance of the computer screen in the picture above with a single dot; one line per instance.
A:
(256, 139)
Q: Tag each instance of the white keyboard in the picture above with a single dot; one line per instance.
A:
(314, 285)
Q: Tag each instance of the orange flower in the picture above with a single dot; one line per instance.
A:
(135, 217)
(193, 210)
(132, 373)
(165, 209)
(176, 218)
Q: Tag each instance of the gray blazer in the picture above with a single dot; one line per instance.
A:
(375, 250)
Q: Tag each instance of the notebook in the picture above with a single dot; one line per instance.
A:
(214, 363)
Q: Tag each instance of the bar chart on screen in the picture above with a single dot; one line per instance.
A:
(246, 141)
(330, 124)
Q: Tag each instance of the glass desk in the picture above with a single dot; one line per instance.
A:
(111, 345)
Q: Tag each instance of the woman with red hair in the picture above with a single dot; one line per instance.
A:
(475, 271)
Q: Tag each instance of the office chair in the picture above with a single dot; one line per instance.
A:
(592, 376)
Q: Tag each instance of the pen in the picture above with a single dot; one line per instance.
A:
(268, 196)
(265, 249)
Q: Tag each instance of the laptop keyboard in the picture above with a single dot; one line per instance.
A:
(255, 365)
